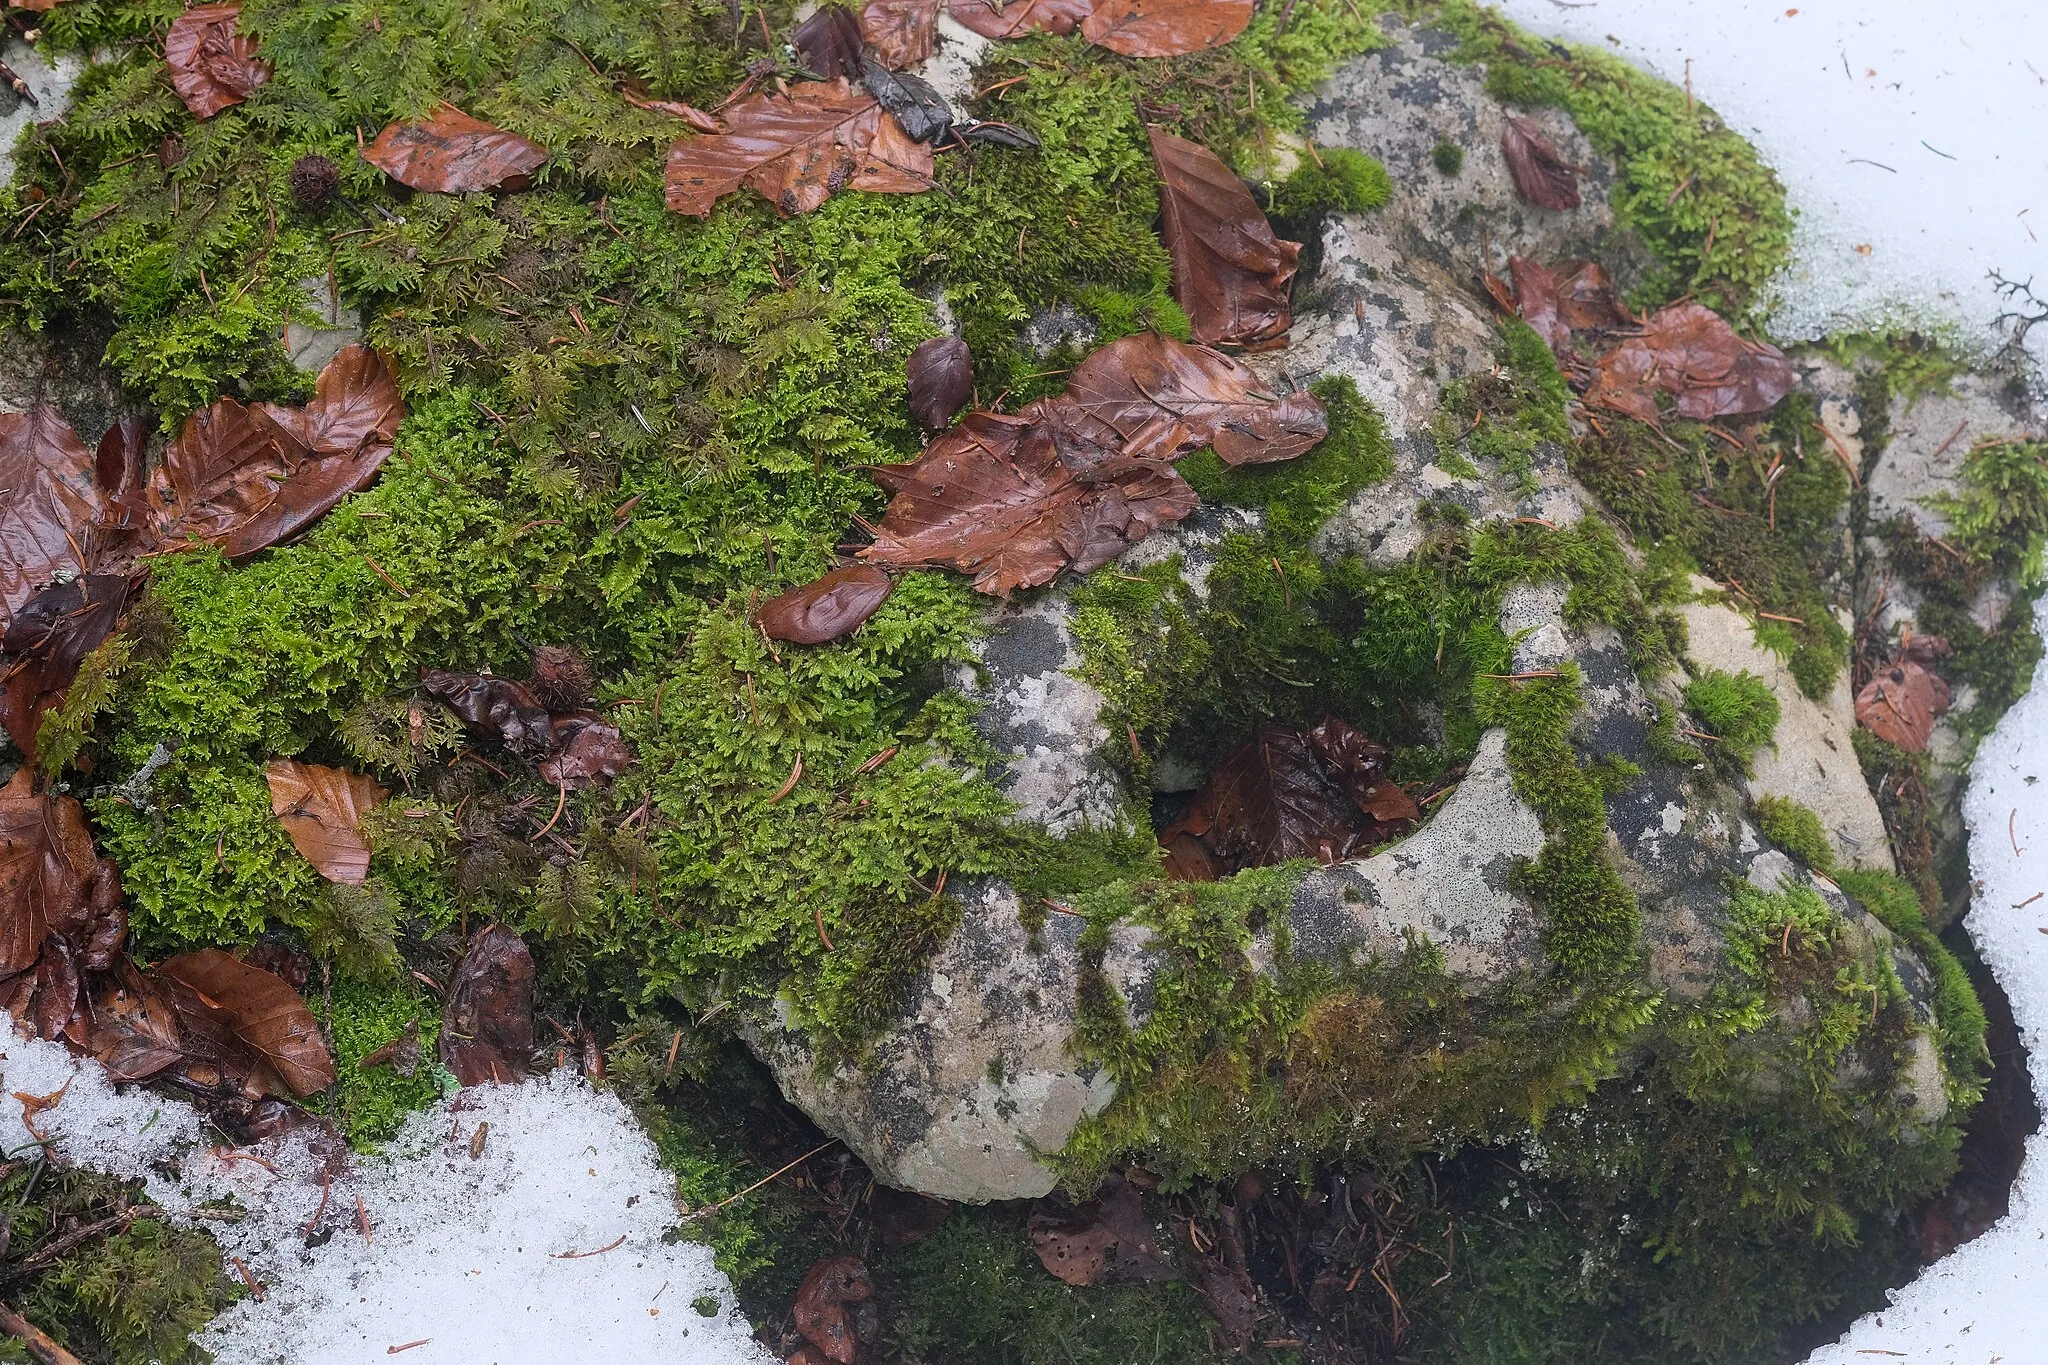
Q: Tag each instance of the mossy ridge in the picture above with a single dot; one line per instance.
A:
(1738, 713)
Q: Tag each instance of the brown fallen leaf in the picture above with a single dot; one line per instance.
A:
(245, 478)
(828, 43)
(1691, 353)
(47, 640)
(452, 153)
(796, 150)
(904, 1218)
(322, 810)
(49, 500)
(941, 376)
(1075, 1250)
(52, 878)
(1228, 1294)
(1165, 28)
(902, 32)
(1362, 767)
(262, 1011)
(995, 497)
(820, 1308)
(496, 708)
(827, 608)
(487, 1018)
(1900, 704)
(212, 66)
(1019, 17)
(135, 1031)
(1541, 174)
(585, 748)
(1576, 296)
(1107, 1240)
(401, 1054)
(1162, 399)
(1231, 274)
(688, 113)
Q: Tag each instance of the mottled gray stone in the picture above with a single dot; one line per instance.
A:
(330, 330)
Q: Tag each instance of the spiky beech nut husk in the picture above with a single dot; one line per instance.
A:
(315, 182)
(561, 678)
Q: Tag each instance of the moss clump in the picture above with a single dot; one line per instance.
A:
(362, 1016)
(1959, 1024)
(1331, 180)
(1299, 495)
(1448, 158)
(1738, 710)
(1797, 830)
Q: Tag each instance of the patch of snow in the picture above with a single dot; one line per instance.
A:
(1908, 137)
(469, 1257)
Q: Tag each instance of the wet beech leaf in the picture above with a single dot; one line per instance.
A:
(322, 810)
(992, 19)
(1691, 353)
(820, 1307)
(994, 497)
(827, 608)
(920, 110)
(1074, 1250)
(51, 875)
(47, 640)
(1164, 399)
(496, 708)
(355, 406)
(1230, 272)
(135, 1030)
(1165, 28)
(1363, 768)
(829, 42)
(1900, 704)
(902, 32)
(941, 375)
(262, 1011)
(48, 500)
(1541, 174)
(487, 1018)
(585, 748)
(1576, 296)
(212, 66)
(452, 153)
(796, 150)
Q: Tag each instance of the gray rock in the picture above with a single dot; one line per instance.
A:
(334, 328)
(49, 82)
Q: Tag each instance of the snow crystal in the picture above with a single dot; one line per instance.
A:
(547, 1245)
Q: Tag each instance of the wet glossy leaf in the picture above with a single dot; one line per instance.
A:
(902, 32)
(1555, 303)
(263, 1012)
(995, 498)
(51, 876)
(797, 150)
(135, 1030)
(829, 42)
(496, 708)
(1363, 768)
(487, 1018)
(1163, 399)
(355, 407)
(586, 748)
(1165, 28)
(1019, 17)
(212, 66)
(49, 499)
(1541, 174)
(921, 110)
(1691, 353)
(322, 810)
(827, 608)
(820, 1308)
(452, 153)
(941, 376)
(1231, 274)
(1900, 704)
(47, 640)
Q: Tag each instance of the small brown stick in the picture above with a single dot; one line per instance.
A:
(713, 1208)
(1286, 597)
(1785, 943)
(1519, 677)
(2029, 900)
(379, 568)
(255, 1287)
(875, 763)
(1698, 734)
(1058, 908)
(1842, 454)
(1131, 733)
(796, 773)
(394, 1350)
(363, 1220)
(41, 1348)
(673, 1049)
(1774, 616)
(2011, 816)
(818, 918)
(59, 1247)
(561, 804)
(1951, 439)
(579, 1255)
(314, 1221)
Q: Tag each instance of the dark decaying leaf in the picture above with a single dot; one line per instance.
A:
(47, 640)
(212, 66)
(1165, 28)
(796, 150)
(245, 478)
(452, 153)
(1576, 296)
(52, 879)
(1075, 1250)
(828, 43)
(992, 19)
(1901, 702)
(261, 1010)
(49, 500)
(1285, 793)
(1162, 399)
(993, 497)
(1228, 1294)
(996, 134)
(135, 1030)
(921, 110)
(905, 1218)
(941, 375)
(902, 32)
(1691, 353)
(827, 608)
(1231, 274)
(487, 1019)
(322, 810)
(1541, 174)
(820, 1308)
(1107, 1240)
(493, 707)
(584, 748)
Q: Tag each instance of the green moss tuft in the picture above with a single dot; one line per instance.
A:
(1448, 158)
(1332, 180)
(1797, 830)
(1737, 709)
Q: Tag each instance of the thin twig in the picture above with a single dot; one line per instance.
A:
(714, 1208)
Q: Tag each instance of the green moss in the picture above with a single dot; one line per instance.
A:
(1738, 710)
(1959, 1023)
(1448, 158)
(1797, 830)
(1299, 495)
(361, 1017)
(1331, 180)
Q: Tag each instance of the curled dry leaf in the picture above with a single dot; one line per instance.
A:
(941, 375)
(826, 608)
(487, 1019)
(820, 1308)
(1165, 28)
(1541, 174)
(688, 113)
(1691, 353)
(1230, 272)
(796, 150)
(322, 810)
(829, 42)
(585, 748)
(493, 707)
(1576, 296)
(48, 639)
(263, 1012)
(212, 66)
(1900, 704)
(52, 879)
(992, 19)
(1162, 399)
(452, 153)
(902, 32)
